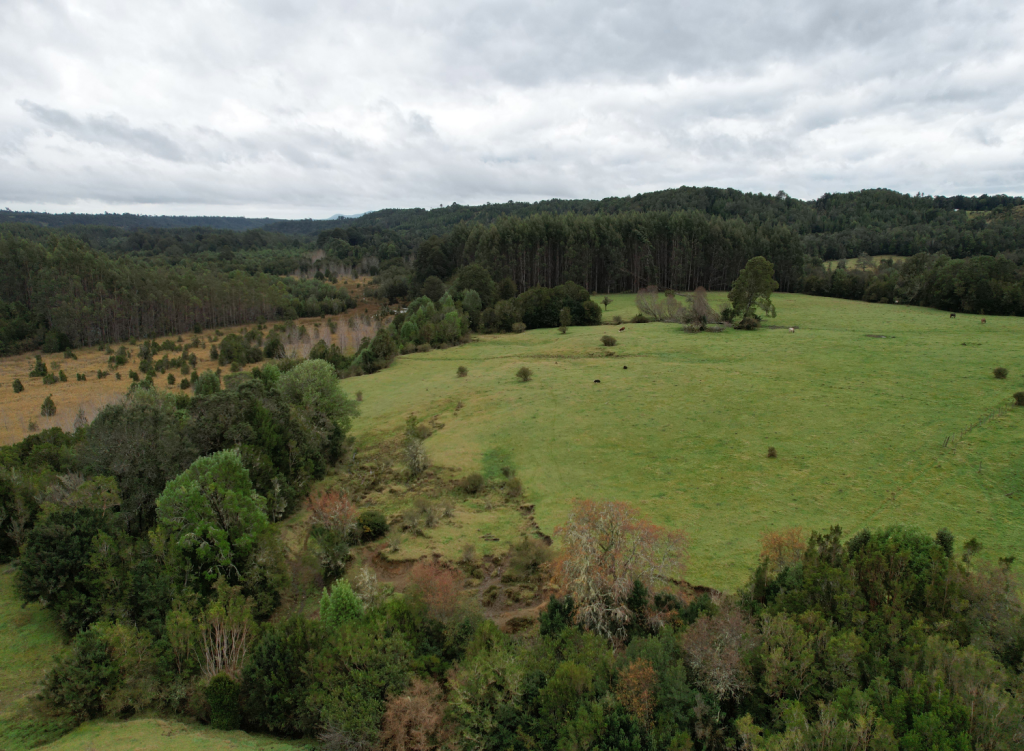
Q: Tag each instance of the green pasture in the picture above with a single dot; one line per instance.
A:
(153, 734)
(858, 403)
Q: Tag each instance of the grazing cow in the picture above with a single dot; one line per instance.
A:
(791, 329)
(597, 381)
(623, 328)
(625, 367)
(952, 315)
(983, 320)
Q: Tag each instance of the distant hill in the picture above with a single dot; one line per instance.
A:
(132, 221)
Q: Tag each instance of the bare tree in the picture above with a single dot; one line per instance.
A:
(226, 632)
(647, 301)
(608, 548)
(715, 646)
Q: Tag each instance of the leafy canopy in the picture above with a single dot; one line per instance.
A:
(754, 287)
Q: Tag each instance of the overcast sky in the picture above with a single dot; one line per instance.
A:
(306, 109)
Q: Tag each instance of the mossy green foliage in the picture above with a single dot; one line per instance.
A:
(222, 696)
(858, 422)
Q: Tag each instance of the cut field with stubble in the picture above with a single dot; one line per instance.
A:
(858, 402)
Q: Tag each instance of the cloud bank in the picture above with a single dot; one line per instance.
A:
(294, 109)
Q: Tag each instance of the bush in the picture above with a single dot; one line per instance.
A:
(514, 487)
(608, 341)
(772, 453)
(518, 327)
(617, 320)
(170, 379)
(748, 324)
(1000, 373)
(39, 370)
(49, 409)
(81, 680)
(359, 396)
(372, 524)
(340, 606)
(462, 372)
(63, 377)
(473, 483)
(1019, 398)
(80, 376)
(70, 355)
(639, 318)
(524, 374)
(222, 696)
(18, 386)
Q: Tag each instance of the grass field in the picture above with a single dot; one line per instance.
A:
(858, 402)
(152, 734)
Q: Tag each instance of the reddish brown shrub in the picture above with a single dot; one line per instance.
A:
(782, 548)
(413, 722)
(440, 588)
(637, 691)
(332, 509)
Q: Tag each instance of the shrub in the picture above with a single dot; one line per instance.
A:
(359, 396)
(102, 374)
(49, 409)
(440, 588)
(70, 355)
(415, 720)
(772, 453)
(518, 327)
(524, 374)
(473, 483)
(415, 456)
(748, 324)
(525, 559)
(18, 386)
(340, 606)
(170, 379)
(80, 680)
(39, 370)
(185, 383)
(372, 524)
(617, 320)
(63, 377)
(1000, 373)
(639, 318)
(423, 347)
(79, 376)
(1019, 398)
(608, 341)
(462, 371)
(222, 696)
(514, 487)
(727, 314)
(563, 329)
(49, 379)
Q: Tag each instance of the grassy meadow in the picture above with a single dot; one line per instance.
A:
(858, 402)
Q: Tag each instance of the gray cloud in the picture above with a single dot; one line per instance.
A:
(307, 109)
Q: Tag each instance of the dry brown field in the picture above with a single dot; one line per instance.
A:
(20, 413)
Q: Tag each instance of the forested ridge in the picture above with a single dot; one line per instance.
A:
(89, 281)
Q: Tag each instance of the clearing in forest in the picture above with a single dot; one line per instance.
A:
(880, 415)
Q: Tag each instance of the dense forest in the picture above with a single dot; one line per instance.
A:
(106, 278)
(65, 294)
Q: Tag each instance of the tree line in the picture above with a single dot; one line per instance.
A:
(65, 294)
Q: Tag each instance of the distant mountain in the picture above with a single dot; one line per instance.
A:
(347, 216)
